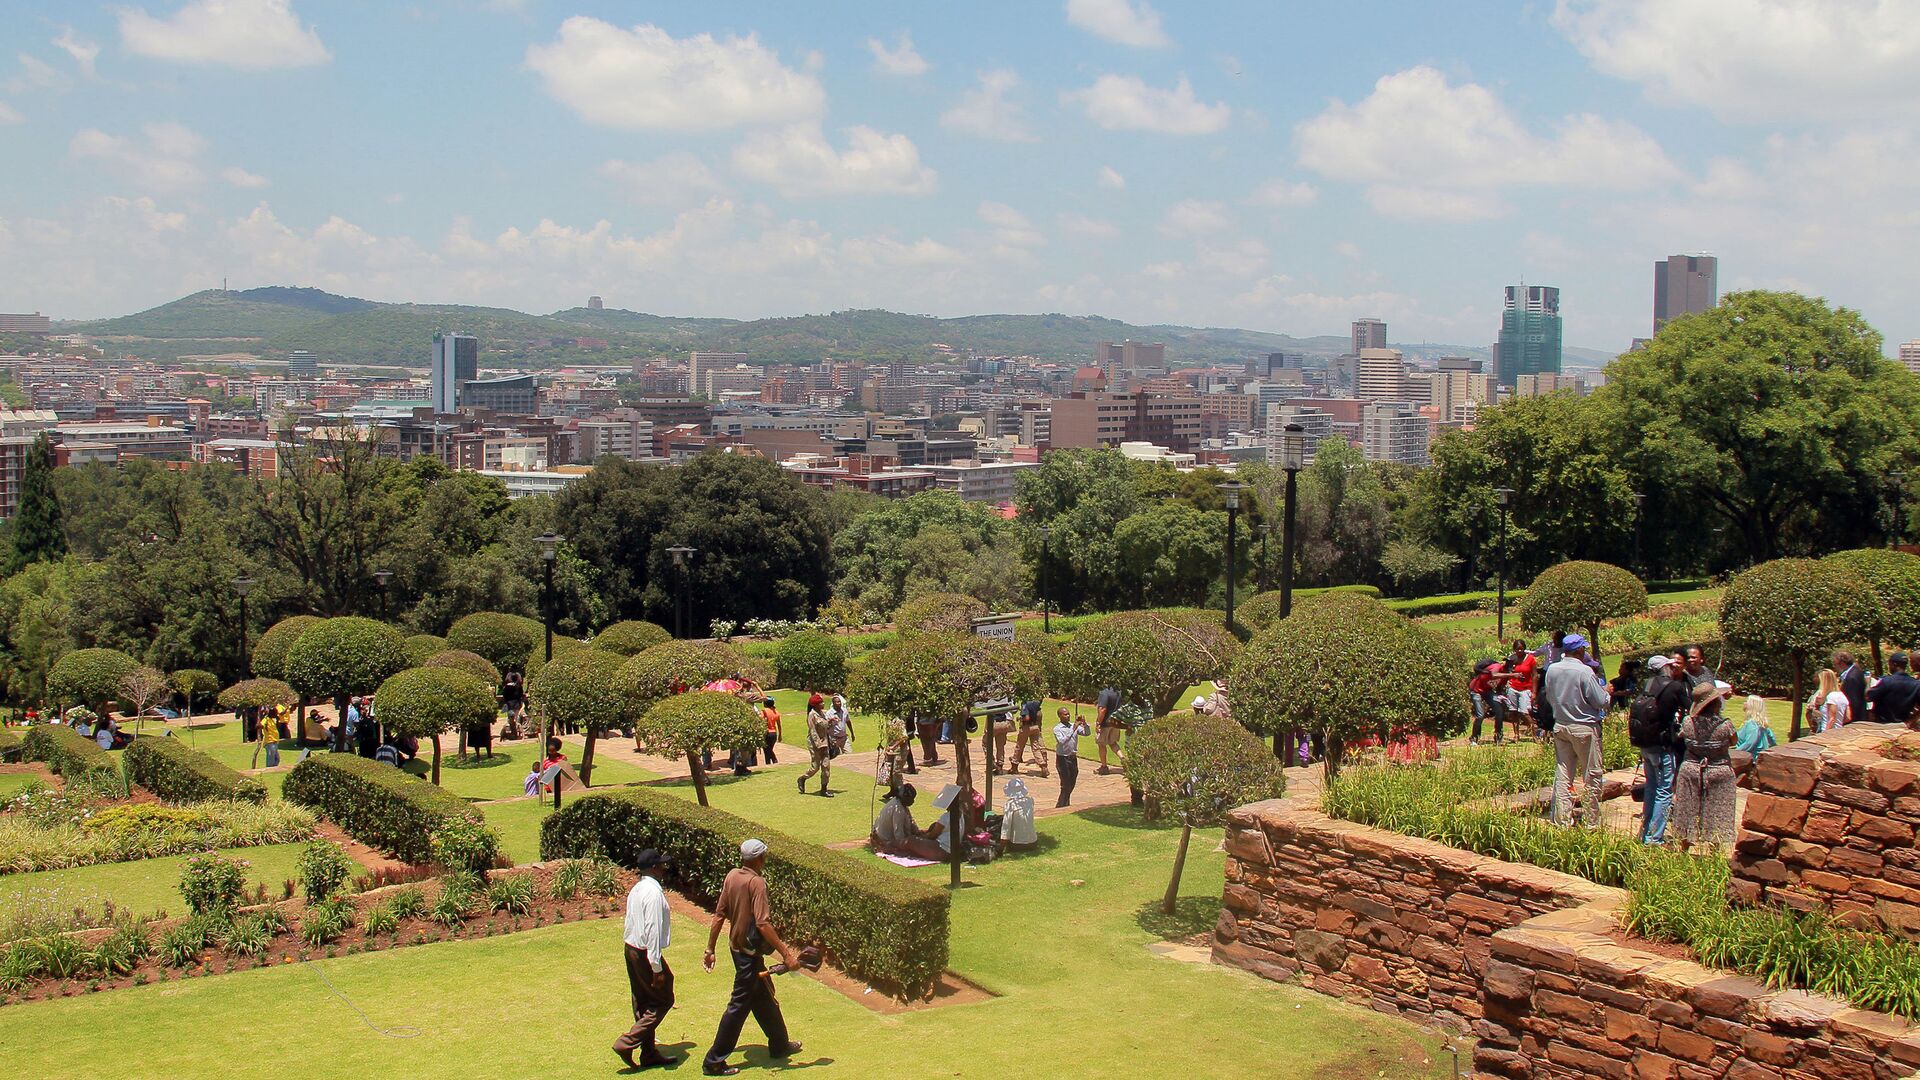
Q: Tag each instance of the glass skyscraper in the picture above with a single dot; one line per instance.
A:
(1529, 333)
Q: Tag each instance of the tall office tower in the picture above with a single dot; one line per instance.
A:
(1529, 333)
(1380, 376)
(1684, 285)
(302, 364)
(712, 359)
(1368, 334)
(1281, 361)
(1910, 355)
(456, 361)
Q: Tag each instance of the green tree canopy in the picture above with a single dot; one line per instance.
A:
(424, 702)
(581, 688)
(1894, 577)
(810, 660)
(38, 534)
(695, 723)
(90, 677)
(1198, 767)
(505, 641)
(270, 652)
(1794, 610)
(194, 685)
(423, 647)
(934, 537)
(1583, 595)
(258, 694)
(630, 637)
(1172, 553)
(936, 612)
(342, 657)
(1150, 657)
(461, 660)
(654, 673)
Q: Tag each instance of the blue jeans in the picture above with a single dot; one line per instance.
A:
(1661, 766)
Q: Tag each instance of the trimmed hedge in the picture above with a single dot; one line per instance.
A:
(178, 773)
(880, 926)
(66, 751)
(1452, 603)
(9, 746)
(376, 804)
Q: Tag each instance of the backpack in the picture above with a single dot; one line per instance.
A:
(1646, 723)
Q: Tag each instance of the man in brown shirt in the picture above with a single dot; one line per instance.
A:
(743, 909)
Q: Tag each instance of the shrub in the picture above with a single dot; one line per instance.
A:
(407, 902)
(654, 673)
(322, 869)
(940, 675)
(631, 638)
(449, 909)
(270, 652)
(258, 694)
(181, 945)
(1450, 604)
(880, 926)
(513, 895)
(248, 936)
(376, 804)
(381, 920)
(465, 846)
(1151, 657)
(421, 703)
(1197, 768)
(581, 688)
(696, 722)
(90, 676)
(423, 647)
(70, 754)
(472, 663)
(341, 657)
(44, 836)
(10, 746)
(178, 773)
(933, 612)
(1794, 610)
(1894, 577)
(1583, 595)
(213, 884)
(119, 951)
(504, 640)
(811, 660)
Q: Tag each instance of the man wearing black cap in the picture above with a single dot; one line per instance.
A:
(648, 925)
(1893, 698)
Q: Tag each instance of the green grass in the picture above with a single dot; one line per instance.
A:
(11, 783)
(144, 886)
(866, 728)
(519, 825)
(503, 776)
(769, 796)
(1082, 997)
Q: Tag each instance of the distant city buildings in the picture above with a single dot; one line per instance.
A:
(1381, 375)
(456, 361)
(1368, 334)
(1529, 334)
(1396, 432)
(35, 323)
(302, 364)
(1684, 285)
(1910, 355)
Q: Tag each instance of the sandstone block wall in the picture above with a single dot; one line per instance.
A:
(1831, 825)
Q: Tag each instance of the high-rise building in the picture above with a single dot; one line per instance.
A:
(1283, 361)
(1381, 375)
(1910, 355)
(1684, 285)
(456, 361)
(1529, 333)
(1394, 431)
(695, 361)
(1315, 425)
(1458, 392)
(302, 364)
(1368, 334)
(1131, 355)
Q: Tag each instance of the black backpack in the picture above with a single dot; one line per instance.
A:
(1646, 723)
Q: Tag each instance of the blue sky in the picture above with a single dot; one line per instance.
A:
(1276, 166)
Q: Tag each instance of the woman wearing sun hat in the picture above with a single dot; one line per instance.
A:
(1703, 791)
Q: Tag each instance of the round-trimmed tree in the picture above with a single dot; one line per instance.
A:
(1198, 767)
(580, 689)
(1150, 657)
(507, 641)
(423, 702)
(1794, 610)
(423, 647)
(1894, 577)
(342, 657)
(933, 612)
(461, 660)
(195, 687)
(938, 676)
(91, 677)
(270, 652)
(1259, 611)
(1581, 594)
(697, 723)
(631, 637)
(1347, 666)
(810, 660)
(653, 674)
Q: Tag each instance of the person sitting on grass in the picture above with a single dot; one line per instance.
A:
(895, 834)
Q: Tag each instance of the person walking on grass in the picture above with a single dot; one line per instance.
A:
(744, 910)
(1066, 753)
(649, 979)
(819, 745)
(770, 712)
(1579, 700)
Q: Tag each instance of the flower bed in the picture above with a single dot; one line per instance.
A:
(45, 829)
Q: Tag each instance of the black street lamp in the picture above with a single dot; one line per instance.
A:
(243, 585)
(1899, 501)
(1231, 489)
(549, 551)
(1046, 596)
(1293, 458)
(383, 576)
(1504, 497)
(681, 554)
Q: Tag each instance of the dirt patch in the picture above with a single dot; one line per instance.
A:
(1671, 950)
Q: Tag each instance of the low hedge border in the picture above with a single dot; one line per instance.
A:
(376, 804)
(67, 752)
(10, 748)
(877, 925)
(178, 773)
(1453, 603)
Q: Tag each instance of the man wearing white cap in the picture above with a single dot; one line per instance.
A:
(743, 904)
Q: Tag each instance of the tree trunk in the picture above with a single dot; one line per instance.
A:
(962, 756)
(586, 757)
(436, 757)
(1179, 865)
(1878, 664)
(1799, 677)
(699, 776)
(1280, 741)
(1593, 641)
(1330, 764)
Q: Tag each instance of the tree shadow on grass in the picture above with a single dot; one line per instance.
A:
(1123, 816)
(496, 761)
(1191, 915)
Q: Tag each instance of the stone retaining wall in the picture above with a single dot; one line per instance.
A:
(1831, 825)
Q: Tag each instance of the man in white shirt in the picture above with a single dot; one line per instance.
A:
(1066, 754)
(649, 923)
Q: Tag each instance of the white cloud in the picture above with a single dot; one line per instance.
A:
(1126, 103)
(162, 160)
(1123, 22)
(799, 162)
(1080, 225)
(646, 79)
(885, 251)
(252, 35)
(1195, 217)
(901, 59)
(1013, 234)
(10, 115)
(1808, 59)
(1232, 259)
(985, 110)
(674, 179)
(1284, 193)
(1431, 149)
(241, 178)
(84, 52)
(1110, 178)
(35, 74)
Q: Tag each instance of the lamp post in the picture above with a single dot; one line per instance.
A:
(681, 554)
(1639, 510)
(549, 551)
(1899, 499)
(1293, 458)
(1231, 489)
(1502, 496)
(382, 576)
(1046, 596)
(243, 585)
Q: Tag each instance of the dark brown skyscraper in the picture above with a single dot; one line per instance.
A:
(1684, 285)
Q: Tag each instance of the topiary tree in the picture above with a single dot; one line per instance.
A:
(1894, 577)
(90, 677)
(1197, 768)
(932, 612)
(472, 663)
(424, 647)
(698, 723)
(631, 638)
(938, 676)
(194, 686)
(1151, 657)
(810, 660)
(1581, 594)
(581, 688)
(507, 641)
(270, 652)
(653, 675)
(141, 688)
(1347, 666)
(1260, 610)
(562, 646)
(422, 702)
(342, 657)
(1794, 609)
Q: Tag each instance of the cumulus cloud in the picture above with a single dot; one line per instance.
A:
(10, 115)
(1110, 178)
(674, 179)
(1195, 217)
(1127, 103)
(798, 161)
(162, 158)
(35, 74)
(252, 35)
(1081, 225)
(84, 52)
(1284, 193)
(987, 112)
(1013, 233)
(1123, 22)
(646, 79)
(900, 59)
(241, 178)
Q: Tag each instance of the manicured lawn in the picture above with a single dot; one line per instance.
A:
(1082, 997)
(866, 729)
(768, 796)
(147, 885)
(503, 776)
(519, 825)
(11, 783)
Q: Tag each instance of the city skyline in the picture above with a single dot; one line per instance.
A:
(1093, 157)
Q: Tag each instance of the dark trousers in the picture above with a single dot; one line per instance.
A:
(771, 740)
(752, 993)
(649, 1005)
(1069, 766)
